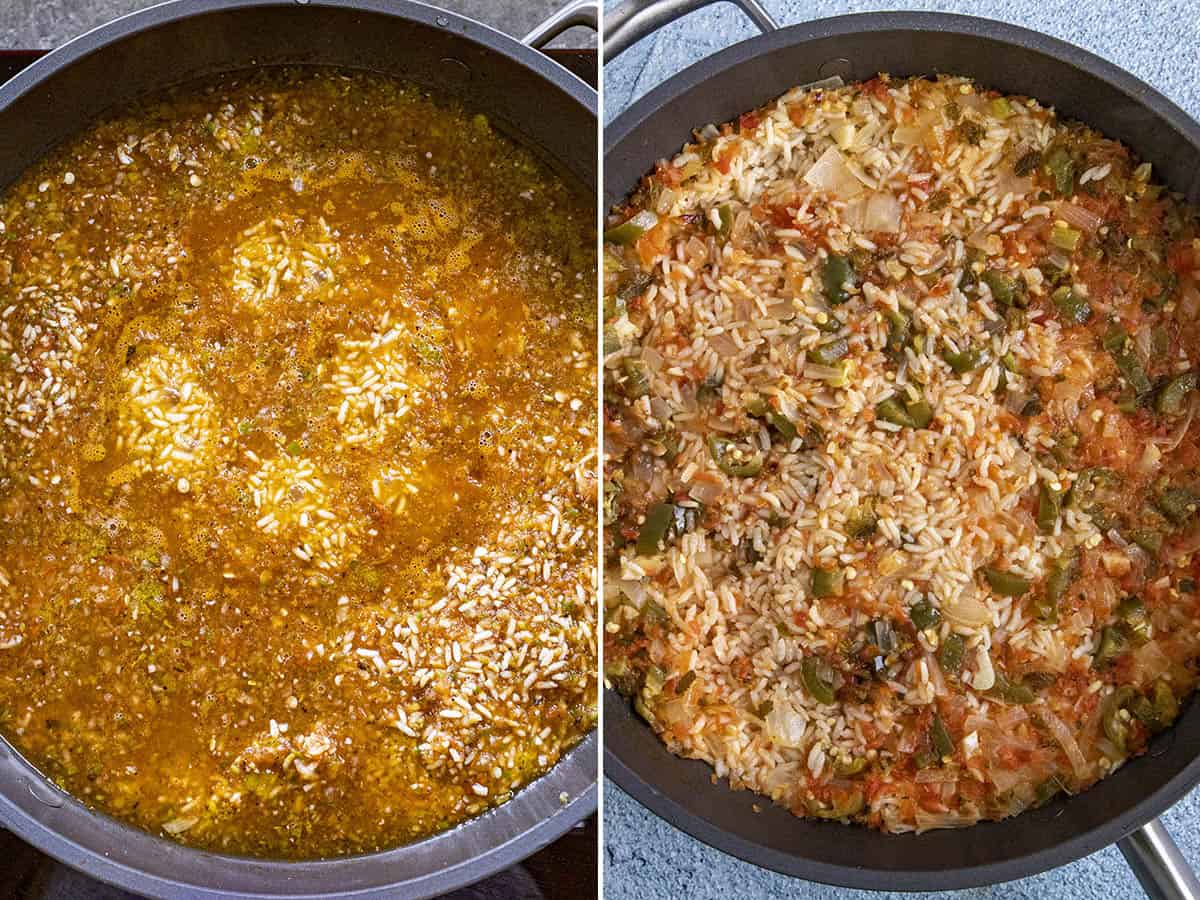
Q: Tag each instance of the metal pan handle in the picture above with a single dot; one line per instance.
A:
(634, 19)
(580, 12)
(1159, 866)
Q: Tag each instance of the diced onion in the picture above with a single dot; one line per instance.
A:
(831, 174)
(785, 726)
(968, 611)
(1149, 662)
(1066, 740)
(984, 678)
(180, 825)
(883, 213)
(1189, 301)
(927, 820)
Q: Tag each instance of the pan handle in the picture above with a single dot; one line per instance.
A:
(579, 12)
(1159, 866)
(634, 19)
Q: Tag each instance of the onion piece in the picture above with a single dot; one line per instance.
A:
(1189, 301)
(883, 213)
(1179, 432)
(927, 820)
(1149, 662)
(785, 726)
(968, 611)
(984, 678)
(1066, 740)
(831, 174)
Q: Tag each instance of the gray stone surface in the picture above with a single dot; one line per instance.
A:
(1158, 41)
(47, 23)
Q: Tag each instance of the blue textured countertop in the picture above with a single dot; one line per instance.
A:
(1160, 43)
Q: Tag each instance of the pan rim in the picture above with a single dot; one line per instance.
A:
(625, 773)
(574, 776)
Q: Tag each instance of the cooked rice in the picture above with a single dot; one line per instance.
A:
(722, 301)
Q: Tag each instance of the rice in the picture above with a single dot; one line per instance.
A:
(835, 353)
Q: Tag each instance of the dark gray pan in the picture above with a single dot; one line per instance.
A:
(1010, 59)
(531, 97)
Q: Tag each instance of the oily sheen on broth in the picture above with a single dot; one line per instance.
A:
(297, 495)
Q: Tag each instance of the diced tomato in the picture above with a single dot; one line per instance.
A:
(1184, 257)
(725, 157)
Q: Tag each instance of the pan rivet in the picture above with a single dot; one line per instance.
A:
(840, 66)
(443, 21)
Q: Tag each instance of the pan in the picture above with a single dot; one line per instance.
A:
(1121, 808)
(537, 102)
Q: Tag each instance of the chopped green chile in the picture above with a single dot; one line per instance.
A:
(1173, 398)
(849, 769)
(940, 738)
(1058, 578)
(636, 382)
(862, 521)
(1116, 728)
(899, 330)
(1064, 237)
(709, 389)
(654, 528)
(1061, 169)
(1119, 345)
(725, 215)
(1177, 504)
(900, 409)
(1132, 611)
(1006, 289)
(1049, 507)
(759, 408)
(950, 653)
(785, 427)
(924, 614)
(827, 582)
(632, 228)
(964, 361)
(830, 352)
(663, 522)
(971, 132)
(828, 324)
(685, 682)
(1112, 644)
(1072, 307)
(1149, 539)
(1166, 704)
(815, 683)
(1015, 692)
(733, 461)
(1027, 163)
(1005, 584)
(836, 273)
(845, 804)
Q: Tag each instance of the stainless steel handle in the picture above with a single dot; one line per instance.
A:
(580, 12)
(1159, 866)
(634, 19)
